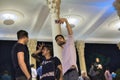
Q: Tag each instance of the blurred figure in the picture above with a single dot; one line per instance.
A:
(83, 76)
(99, 69)
(97, 62)
(93, 73)
(6, 76)
(33, 72)
(107, 74)
(114, 75)
(100, 75)
(96, 70)
(39, 72)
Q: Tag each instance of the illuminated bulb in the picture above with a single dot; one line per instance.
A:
(9, 16)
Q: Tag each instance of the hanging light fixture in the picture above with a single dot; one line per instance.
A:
(74, 20)
(10, 17)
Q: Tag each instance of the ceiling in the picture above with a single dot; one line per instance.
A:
(99, 22)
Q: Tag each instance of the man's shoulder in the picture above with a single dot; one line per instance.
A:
(18, 45)
(18, 48)
(55, 58)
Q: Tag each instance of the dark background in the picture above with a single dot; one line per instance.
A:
(109, 55)
(5, 56)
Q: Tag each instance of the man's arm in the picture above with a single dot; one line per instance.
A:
(69, 29)
(39, 48)
(37, 51)
(61, 75)
(20, 56)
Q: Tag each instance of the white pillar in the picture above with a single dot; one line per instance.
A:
(54, 7)
(116, 4)
(32, 48)
(80, 47)
(118, 45)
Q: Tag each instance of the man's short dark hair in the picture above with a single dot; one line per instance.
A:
(50, 48)
(59, 36)
(21, 34)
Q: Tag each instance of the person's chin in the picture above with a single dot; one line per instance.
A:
(26, 43)
(61, 44)
(43, 54)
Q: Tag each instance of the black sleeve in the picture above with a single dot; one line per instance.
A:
(20, 48)
(57, 61)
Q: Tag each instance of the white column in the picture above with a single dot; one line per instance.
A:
(118, 45)
(116, 4)
(80, 47)
(32, 48)
(54, 7)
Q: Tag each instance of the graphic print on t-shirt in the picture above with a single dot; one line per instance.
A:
(48, 68)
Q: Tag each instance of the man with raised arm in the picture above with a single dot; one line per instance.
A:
(69, 65)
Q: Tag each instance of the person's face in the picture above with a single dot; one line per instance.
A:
(97, 60)
(45, 51)
(26, 39)
(60, 40)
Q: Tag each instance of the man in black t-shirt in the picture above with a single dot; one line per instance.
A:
(51, 66)
(20, 57)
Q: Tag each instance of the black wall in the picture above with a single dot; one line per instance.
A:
(109, 55)
(5, 56)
